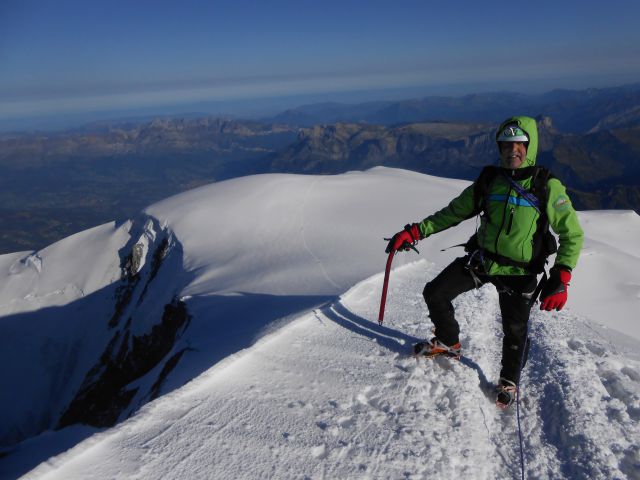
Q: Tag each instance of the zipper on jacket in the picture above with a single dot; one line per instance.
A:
(511, 212)
(504, 216)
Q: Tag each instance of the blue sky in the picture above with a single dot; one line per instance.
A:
(60, 57)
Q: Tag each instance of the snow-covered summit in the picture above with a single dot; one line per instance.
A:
(215, 268)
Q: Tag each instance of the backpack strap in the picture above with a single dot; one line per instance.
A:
(543, 240)
(481, 189)
(537, 195)
(529, 195)
(539, 187)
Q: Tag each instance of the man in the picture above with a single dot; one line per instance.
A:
(517, 202)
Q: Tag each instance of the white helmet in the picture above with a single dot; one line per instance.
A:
(512, 133)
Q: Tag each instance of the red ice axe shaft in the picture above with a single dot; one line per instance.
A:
(383, 300)
(405, 246)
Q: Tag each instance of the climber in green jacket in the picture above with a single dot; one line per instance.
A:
(517, 203)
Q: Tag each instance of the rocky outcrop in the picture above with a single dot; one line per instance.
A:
(105, 393)
(628, 118)
(143, 336)
(439, 148)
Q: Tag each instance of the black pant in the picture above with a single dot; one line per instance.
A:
(514, 307)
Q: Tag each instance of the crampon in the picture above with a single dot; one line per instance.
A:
(435, 348)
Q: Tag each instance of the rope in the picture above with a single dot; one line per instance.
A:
(477, 281)
(522, 357)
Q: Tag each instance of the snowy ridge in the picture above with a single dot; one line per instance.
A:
(355, 405)
(225, 308)
(63, 336)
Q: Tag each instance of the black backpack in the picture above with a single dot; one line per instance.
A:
(544, 243)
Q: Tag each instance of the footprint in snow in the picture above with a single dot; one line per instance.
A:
(619, 387)
(319, 452)
(575, 345)
(345, 422)
(596, 349)
(321, 425)
(631, 373)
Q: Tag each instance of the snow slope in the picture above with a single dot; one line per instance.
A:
(333, 395)
(328, 393)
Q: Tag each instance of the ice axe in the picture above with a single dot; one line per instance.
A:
(383, 300)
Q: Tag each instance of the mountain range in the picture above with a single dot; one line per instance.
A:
(53, 184)
(600, 168)
(573, 111)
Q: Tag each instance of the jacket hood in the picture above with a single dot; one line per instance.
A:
(527, 124)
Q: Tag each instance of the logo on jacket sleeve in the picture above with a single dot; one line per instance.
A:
(562, 203)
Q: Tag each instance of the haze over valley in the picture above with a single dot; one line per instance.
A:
(54, 184)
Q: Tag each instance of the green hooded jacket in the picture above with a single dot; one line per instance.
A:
(508, 228)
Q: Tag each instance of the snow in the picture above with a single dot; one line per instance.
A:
(289, 376)
(303, 234)
(606, 283)
(333, 395)
(46, 298)
(63, 272)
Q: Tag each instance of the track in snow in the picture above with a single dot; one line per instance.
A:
(334, 395)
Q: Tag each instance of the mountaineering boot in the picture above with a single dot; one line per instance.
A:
(507, 393)
(435, 347)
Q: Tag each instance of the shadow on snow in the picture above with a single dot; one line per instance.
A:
(220, 325)
(390, 338)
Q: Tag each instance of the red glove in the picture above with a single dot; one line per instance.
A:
(404, 239)
(554, 293)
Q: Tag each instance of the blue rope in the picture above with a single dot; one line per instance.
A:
(522, 357)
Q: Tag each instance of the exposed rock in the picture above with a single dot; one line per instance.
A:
(439, 148)
(544, 122)
(159, 255)
(128, 284)
(104, 394)
(628, 118)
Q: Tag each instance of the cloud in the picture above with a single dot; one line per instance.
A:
(107, 96)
